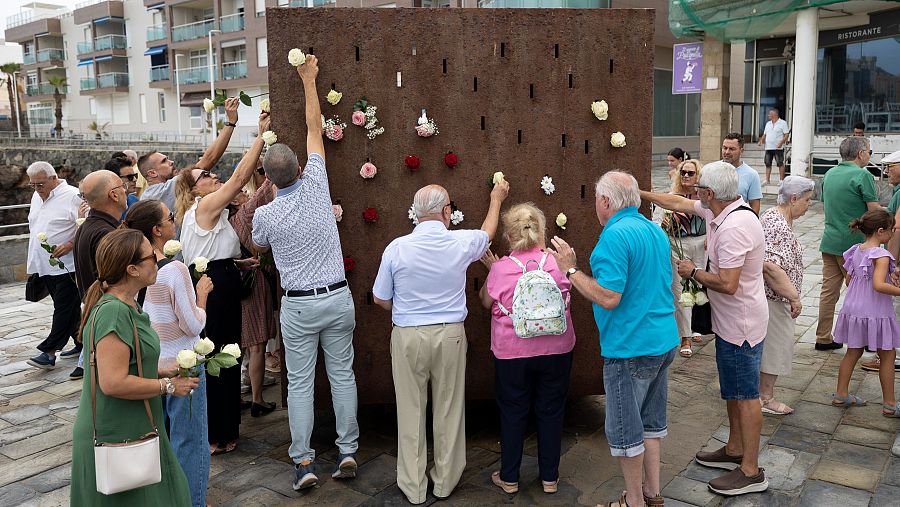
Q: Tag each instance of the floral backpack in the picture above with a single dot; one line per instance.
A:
(538, 307)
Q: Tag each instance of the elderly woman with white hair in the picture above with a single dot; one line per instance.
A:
(783, 275)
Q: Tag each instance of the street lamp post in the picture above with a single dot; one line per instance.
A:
(178, 95)
(18, 107)
(212, 84)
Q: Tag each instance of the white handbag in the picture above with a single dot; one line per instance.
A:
(123, 466)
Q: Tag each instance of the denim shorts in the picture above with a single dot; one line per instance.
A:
(636, 395)
(738, 369)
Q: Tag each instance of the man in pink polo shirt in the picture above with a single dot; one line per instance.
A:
(734, 282)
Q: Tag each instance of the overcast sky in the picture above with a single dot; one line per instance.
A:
(11, 7)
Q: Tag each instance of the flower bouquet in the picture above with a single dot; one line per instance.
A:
(189, 360)
(691, 292)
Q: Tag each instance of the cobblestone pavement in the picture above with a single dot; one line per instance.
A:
(819, 456)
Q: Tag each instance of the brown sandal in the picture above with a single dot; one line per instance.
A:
(621, 502)
(654, 501)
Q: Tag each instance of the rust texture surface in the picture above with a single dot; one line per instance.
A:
(510, 90)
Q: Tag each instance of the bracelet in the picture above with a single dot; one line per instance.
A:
(229, 124)
(162, 388)
(694, 272)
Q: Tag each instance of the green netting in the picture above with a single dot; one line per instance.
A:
(733, 20)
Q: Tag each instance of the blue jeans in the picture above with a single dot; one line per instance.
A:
(738, 369)
(306, 322)
(188, 436)
(636, 396)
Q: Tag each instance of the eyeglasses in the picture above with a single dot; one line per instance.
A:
(39, 186)
(129, 177)
(170, 218)
(113, 189)
(260, 170)
(203, 174)
(147, 258)
(701, 187)
(452, 206)
(688, 173)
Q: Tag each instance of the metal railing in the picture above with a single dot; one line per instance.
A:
(88, 83)
(45, 55)
(234, 70)
(115, 141)
(112, 79)
(88, 2)
(156, 32)
(23, 18)
(192, 31)
(159, 73)
(112, 41)
(85, 47)
(232, 22)
(316, 3)
(11, 207)
(193, 75)
(44, 89)
(29, 58)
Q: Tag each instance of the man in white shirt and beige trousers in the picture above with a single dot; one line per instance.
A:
(422, 280)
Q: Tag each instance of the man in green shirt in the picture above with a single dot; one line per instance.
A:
(848, 191)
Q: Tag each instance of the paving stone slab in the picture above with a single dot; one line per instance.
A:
(25, 414)
(820, 494)
(375, 476)
(56, 498)
(63, 389)
(690, 491)
(769, 498)
(37, 443)
(786, 469)
(892, 474)
(50, 480)
(35, 464)
(257, 497)
(838, 473)
(28, 429)
(702, 473)
(864, 436)
(814, 416)
(895, 449)
(856, 455)
(532, 493)
(800, 439)
(870, 417)
(469, 495)
(33, 398)
(16, 494)
(885, 496)
(393, 497)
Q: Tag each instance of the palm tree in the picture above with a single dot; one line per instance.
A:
(8, 69)
(58, 82)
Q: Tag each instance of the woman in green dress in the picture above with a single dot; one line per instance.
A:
(126, 263)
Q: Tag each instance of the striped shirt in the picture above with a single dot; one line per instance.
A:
(171, 304)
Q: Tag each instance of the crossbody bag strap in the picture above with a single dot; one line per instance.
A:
(741, 207)
(140, 369)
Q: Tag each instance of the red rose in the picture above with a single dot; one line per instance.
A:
(349, 264)
(370, 215)
(412, 162)
(451, 159)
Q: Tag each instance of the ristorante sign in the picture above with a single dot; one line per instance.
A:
(881, 25)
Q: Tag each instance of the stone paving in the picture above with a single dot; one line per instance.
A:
(819, 456)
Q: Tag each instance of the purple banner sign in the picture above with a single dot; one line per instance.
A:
(687, 68)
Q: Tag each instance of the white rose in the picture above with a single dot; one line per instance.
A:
(232, 349)
(171, 248)
(334, 97)
(561, 220)
(269, 137)
(204, 346)
(687, 299)
(700, 298)
(296, 57)
(600, 109)
(200, 264)
(498, 177)
(42, 237)
(264, 105)
(617, 140)
(79, 221)
(208, 105)
(186, 359)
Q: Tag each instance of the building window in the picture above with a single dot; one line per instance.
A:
(143, 101)
(859, 82)
(197, 119)
(161, 98)
(262, 52)
(673, 115)
(261, 7)
(92, 106)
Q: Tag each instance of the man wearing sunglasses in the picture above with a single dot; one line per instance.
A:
(128, 176)
(54, 209)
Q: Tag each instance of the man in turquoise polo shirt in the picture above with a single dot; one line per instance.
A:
(848, 191)
(635, 314)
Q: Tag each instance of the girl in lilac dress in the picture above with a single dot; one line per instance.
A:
(867, 318)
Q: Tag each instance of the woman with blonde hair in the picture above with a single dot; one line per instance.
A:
(690, 231)
(530, 373)
(202, 201)
(123, 351)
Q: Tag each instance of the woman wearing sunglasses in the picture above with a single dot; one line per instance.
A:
(201, 203)
(691, 232)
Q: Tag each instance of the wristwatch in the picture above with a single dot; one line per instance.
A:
(229, 124)
(170, 387)
(571, 271)
(694, 272)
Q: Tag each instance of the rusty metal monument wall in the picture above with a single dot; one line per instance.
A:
(509, 90)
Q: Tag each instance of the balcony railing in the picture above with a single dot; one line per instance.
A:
(192, 30)
(45, 55)
(159, 73)
(156, 32)
(87, 3)
(316, 3)
(234, 70)
(44, 89)
(85, 47)
(112, 79)
(41, 116)
(193, 75)
(29, 58)
(113, 41)
(88, 83)
(232, 22)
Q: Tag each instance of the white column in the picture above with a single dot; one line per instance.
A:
(804, 107)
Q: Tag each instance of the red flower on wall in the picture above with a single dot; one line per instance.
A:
(349, 264)
(451, 159)
(370, 215)
(412, 162)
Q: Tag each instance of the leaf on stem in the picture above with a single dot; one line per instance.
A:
(245, 99)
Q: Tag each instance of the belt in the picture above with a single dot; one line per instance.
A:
(315, 292)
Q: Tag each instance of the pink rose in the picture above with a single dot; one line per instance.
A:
(358, 118)
(368, 170)
(336, 133)
(425, 130)
(338, 212)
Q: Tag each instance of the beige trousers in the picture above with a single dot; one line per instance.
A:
(419, 354)
(833, 274)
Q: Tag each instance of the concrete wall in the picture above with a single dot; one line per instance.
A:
(13, 253)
